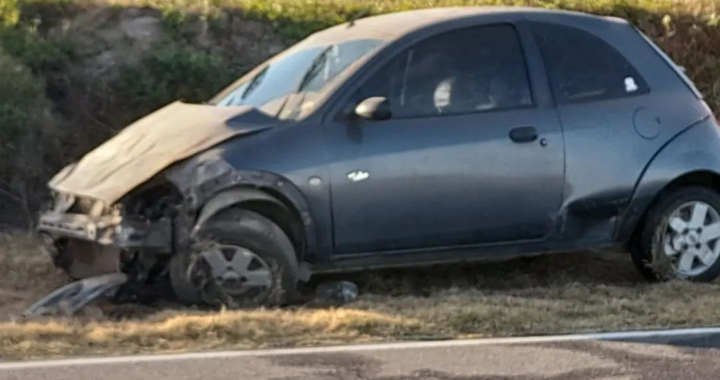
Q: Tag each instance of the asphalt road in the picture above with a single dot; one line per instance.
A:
(677, 358)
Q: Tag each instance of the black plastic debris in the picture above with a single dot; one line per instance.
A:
(337, 292)
(73, 297)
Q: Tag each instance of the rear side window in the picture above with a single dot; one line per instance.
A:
(584, 68)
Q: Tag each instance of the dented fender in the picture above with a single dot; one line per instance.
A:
(210, 184)
(688, 152)
(228, 198)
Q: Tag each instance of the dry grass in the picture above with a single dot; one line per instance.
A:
(553, 294)
(25, 273)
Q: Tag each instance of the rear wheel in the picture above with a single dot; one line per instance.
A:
(240, 259)
(681, 237)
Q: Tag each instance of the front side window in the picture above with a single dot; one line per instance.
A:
(289, 87)
(582, 67)
(463, 71)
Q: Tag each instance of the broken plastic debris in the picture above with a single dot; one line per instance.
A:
(73, 297)
(337, 291)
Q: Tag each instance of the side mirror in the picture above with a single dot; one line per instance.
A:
(375, 108)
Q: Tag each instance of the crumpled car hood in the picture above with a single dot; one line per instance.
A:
(153, 143)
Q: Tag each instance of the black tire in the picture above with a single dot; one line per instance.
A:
(250, 230)
(646, 250)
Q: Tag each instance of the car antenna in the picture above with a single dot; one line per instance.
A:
(359, 15)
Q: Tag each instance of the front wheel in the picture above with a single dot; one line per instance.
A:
(681, 237)
(241, 259)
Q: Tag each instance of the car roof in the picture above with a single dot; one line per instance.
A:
(392, 26)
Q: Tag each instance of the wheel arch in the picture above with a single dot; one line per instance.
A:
(264, 201)
(703, 178)
(210, 184)
(690, 158)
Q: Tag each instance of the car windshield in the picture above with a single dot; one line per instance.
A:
(288, 88)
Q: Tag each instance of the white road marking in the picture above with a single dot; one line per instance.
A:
(360, 348)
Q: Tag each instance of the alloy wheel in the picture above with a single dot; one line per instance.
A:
(231, 274)
(691, 239)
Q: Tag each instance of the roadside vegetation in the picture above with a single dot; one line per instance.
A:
(553, 294)
(89, 67)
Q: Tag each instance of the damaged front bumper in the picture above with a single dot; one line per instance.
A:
(154, 219)
(87, 239)
(102, 230)
(109, 230)
(99, 247)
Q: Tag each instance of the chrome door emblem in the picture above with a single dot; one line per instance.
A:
(358, 175)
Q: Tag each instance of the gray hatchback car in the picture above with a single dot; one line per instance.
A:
(412, 138)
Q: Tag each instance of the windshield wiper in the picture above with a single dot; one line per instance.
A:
(254, 83)
(310, 74)
(314, 69)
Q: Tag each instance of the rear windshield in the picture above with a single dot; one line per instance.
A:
(680, 72)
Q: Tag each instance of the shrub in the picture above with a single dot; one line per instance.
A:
(21, 95)
(40, 55)
(27, 134)
(9, 13)
(167, 74)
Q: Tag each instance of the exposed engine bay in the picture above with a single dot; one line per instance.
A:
(135, 237)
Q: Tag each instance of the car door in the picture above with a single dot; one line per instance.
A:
(468, 157)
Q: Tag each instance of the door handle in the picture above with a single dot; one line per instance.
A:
(523, 134)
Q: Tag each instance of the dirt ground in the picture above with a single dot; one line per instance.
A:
(551, 294)
(25, 274)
